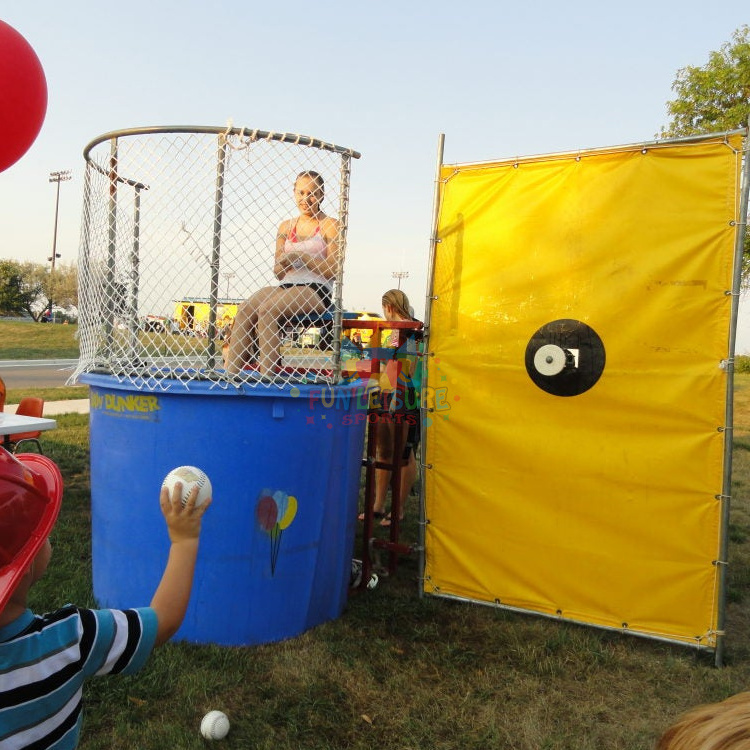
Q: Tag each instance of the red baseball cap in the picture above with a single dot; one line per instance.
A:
(31, 490)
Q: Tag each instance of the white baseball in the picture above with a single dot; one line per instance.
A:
(189, 476)
(215, 725)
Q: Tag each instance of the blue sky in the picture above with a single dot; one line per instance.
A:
(386, 78)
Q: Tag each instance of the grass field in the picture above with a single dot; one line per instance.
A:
(29, 340)
(397, 671)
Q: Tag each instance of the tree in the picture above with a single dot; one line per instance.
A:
(715, 98)
(19, 290)
(62, 286)
(26, 288)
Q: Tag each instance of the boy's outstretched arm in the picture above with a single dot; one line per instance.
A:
(171, 598)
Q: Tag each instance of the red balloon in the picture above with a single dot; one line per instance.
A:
(267, 513)
(23, 96)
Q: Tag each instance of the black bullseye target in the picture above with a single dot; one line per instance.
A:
(565, 357)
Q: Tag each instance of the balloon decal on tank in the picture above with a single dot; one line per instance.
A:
(275, 512)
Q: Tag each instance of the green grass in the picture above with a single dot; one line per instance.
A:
(397, 671)
(29, 340)
(61, 393)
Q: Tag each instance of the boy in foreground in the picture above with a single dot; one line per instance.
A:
(44, 659)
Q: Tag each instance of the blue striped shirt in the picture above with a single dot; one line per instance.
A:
(44, 660)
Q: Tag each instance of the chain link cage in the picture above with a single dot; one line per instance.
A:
(203, 256)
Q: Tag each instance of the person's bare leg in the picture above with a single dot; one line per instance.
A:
(406, 474)
(282, 305)
(384, 453)
(243, 338)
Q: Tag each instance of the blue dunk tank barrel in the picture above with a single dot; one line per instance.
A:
(276, 546)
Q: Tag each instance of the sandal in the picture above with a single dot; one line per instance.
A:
(375, 514)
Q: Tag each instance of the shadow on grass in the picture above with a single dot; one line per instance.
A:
(396, 670)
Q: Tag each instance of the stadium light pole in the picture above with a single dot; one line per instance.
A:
(228, 275)
(57, 177)
(400, 275)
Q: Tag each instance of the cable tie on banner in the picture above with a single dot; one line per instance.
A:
(720, 562)
(730, 293)
(722, 497)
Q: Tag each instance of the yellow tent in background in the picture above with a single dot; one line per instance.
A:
(578, 329)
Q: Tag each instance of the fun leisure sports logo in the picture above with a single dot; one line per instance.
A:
(396, 403)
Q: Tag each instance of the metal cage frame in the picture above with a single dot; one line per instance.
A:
(111, 322)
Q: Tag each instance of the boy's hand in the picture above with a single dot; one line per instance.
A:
(183, 521)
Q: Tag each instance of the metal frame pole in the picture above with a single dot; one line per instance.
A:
(135, 250)
(85, 281)
(109, 320)
(726, 491)
(338, 304)
(221, 159)
(430, 296)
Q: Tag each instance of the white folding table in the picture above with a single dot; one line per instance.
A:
(13, 424)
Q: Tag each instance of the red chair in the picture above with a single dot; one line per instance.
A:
(29, 407)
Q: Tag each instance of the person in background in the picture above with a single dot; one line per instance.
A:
(394, 417)
(714, 726)
(306, 264)
(44, 659)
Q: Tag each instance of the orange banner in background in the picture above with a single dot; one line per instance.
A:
(579, 326)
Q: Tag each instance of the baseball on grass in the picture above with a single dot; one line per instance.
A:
(189, 476)
(215, 725)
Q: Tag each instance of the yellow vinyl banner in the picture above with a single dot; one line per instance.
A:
(578, 331)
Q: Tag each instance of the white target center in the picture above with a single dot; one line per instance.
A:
(549, 360)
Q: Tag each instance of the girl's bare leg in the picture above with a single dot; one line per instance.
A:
(384, 452)
(244, 334)
(282, 305)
